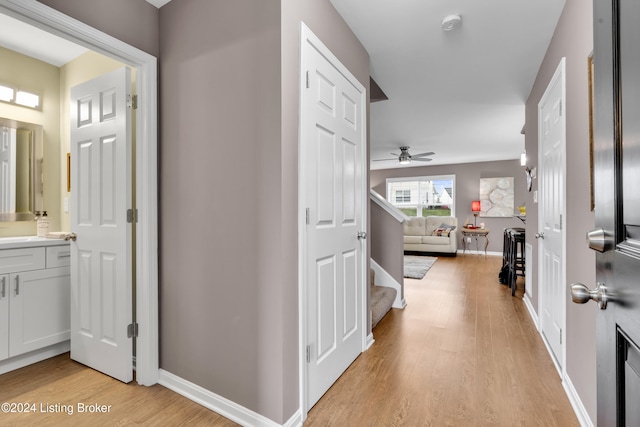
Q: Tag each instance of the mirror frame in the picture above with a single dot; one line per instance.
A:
(36, 163)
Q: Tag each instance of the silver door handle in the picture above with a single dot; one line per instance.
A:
(71, 236)
(539, 236)
(362, 235)
(599, 240)
(580, 294)
(17, 284)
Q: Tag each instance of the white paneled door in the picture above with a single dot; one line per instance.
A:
(552, 136)
(333, 192)
(101, 279)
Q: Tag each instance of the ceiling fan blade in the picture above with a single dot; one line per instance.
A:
(413, 159)
(382, 160)
(395, 155)
(430, 153)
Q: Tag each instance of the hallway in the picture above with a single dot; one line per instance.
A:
(464, 352)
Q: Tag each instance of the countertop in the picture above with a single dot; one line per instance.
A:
(29, 242)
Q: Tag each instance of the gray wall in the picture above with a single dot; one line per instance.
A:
(229, 74)
(387, 243)
(221, 278)
(135, 22)
(573, 39)
(467, 189)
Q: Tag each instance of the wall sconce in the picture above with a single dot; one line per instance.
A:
(19, 97)
(27, 99)
(475, 208)
(6, 94)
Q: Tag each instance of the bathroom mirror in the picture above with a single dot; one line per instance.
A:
(20, 170)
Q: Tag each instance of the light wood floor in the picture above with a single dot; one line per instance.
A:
(463, 353)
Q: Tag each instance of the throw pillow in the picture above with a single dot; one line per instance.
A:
(441, 232)
(443, 225)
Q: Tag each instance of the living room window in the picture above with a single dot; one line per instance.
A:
(423, 196)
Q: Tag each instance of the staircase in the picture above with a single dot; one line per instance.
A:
(381, 300)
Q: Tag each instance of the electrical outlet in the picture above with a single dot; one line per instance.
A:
(468, 239)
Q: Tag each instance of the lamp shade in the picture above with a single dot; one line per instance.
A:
(475, 206)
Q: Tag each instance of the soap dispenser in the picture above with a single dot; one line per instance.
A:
(43, 224)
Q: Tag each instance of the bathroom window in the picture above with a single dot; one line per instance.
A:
(423, 196)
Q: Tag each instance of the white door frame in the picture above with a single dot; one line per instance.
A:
(52, 21)
(307, 38)
(560, 74)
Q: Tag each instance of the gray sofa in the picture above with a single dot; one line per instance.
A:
(434, 234)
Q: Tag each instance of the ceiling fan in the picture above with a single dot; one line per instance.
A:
(404, 158)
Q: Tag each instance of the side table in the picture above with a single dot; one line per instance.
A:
(475, 233)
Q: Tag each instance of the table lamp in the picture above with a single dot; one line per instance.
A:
(475, 208)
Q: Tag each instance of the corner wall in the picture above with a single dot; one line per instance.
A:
(573, 39)
(467, 189)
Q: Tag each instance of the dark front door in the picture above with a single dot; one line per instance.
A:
(617, 201)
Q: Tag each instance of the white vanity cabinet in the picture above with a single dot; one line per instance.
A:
(35, 304)
(4, 316)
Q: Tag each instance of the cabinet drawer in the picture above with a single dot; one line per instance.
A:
(58, 256)
(24, 259)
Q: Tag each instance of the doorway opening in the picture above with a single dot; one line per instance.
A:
(146, 238)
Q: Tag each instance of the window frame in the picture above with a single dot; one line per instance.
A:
(418, 179)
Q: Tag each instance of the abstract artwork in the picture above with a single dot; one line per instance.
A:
(496, 197)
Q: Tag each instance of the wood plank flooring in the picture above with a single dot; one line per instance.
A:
(463, 353)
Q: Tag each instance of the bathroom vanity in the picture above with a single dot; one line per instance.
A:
(34, 300)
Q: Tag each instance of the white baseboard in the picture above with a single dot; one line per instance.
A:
(385, 279)
(475, 252)
(221, 405)
(532, 312)
(576, 403)
(369, 342)
(32, 357)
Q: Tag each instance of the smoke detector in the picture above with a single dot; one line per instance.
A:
(451, 22)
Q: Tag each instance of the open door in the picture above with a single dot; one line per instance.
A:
(617, 236)
(101, 277)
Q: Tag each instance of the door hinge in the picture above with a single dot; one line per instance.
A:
(308, 354)
(560, 336)
(307, 216)
(132, 101)
(132, 215)
(132, 330)
(560, 109)
(307, 79)
(560, 221)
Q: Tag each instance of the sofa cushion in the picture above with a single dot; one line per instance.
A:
(436, 240)
(414, 226)
(433, 222)
(413, 239)
(441, 231)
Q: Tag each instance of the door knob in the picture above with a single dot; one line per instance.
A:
(71, 236)
(598, 240)
(362, 235)
(539, 236)
(580, 294)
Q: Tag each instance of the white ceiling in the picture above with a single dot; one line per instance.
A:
(34, 42)
(460, 94)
